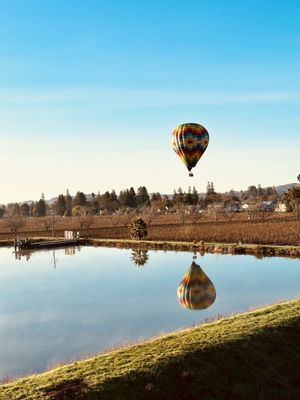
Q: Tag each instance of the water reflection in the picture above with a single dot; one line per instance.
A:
(97, 299)
(196, 291)
(26, 254)
(139, 257)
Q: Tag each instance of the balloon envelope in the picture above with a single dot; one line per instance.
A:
(196, 291)
(189, 142)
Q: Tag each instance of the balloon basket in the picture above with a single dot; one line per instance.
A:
(191, 174)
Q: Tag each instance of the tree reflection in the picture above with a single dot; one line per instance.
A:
(139, 257)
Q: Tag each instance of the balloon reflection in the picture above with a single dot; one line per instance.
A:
(196, 291)
(139, 257)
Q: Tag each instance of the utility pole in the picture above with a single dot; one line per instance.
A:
(52, 214)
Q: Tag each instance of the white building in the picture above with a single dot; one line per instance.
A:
(281, 207)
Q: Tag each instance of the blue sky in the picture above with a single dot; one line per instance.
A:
(91, 90)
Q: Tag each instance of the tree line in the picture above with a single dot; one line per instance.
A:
(129, 199)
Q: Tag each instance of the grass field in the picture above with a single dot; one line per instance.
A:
(248, 356)
(280, 230)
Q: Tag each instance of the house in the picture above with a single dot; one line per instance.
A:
(245, 207)
(268, 205)
(281, 207)
(234, 207)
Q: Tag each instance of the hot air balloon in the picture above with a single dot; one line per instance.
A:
(196, 291)
(189, 142)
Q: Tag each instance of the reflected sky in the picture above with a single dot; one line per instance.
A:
(64, 304)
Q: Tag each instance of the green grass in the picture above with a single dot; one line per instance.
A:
(199, 246)
(209, 247)
(254, 355)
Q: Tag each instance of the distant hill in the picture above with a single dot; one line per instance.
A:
(285, 188)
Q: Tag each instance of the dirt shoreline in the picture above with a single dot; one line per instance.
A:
(202, 247)
(258, 250)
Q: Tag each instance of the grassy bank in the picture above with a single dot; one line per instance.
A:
(248, 356)
(202, 247)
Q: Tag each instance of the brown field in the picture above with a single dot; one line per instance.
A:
(278, 229)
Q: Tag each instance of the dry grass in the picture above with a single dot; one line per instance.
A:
(282, 229)
(275, 232)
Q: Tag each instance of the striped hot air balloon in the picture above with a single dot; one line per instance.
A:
(189, 142)
(196, 291)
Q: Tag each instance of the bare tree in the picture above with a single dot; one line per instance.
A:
(148, 214)
(14, 223)
(48, 222)
(115, 218)
(85, 221)
(263, 213)
(228, 214)
(214, 210)
(127, 215)
(82, 217)
(195, 215)
(182, 212)
(293, 200)
(251, 211)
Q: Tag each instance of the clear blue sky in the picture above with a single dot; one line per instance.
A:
(91, 90)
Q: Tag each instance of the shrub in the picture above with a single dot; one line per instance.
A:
(138, 228)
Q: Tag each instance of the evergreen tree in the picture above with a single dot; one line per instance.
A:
(16, 209)
(142, 197)
(79, 200)
(132, 198)
(105, 202)
(39, 208)
(2, 212)
(195, 196)
(60, 205)
(124, 198)
(68, 200)
(211, 196)
(252, 191)
(156, 197)
(260, 190)
(178, 197)
(166, 202)
(210, 189)
(188, 198)
(138, 228)
(25, 210)
(114, 200)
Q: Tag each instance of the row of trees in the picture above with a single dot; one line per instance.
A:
(111, 203)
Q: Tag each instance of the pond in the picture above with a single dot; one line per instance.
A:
(61, 305)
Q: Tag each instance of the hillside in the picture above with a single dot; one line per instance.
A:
(247, 356)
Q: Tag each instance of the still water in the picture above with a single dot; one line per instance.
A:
(65, 304)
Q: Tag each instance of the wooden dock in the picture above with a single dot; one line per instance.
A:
(27, 244)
